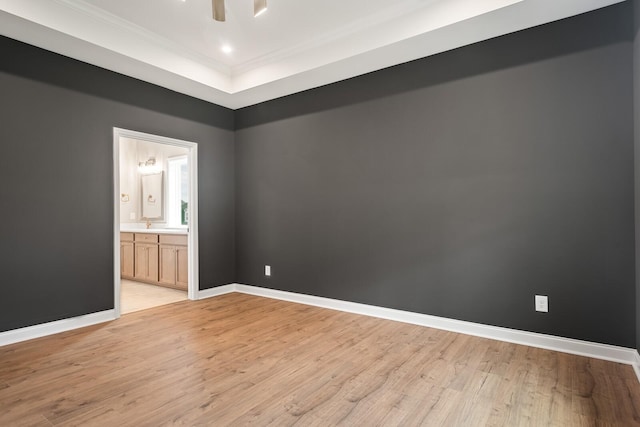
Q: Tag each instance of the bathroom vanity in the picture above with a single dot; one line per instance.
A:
(158, 257)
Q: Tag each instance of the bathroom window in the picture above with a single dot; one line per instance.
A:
(178, 192)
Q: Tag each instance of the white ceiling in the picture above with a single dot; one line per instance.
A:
(296, 45)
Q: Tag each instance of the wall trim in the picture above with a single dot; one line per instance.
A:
(608, 352)
(192, 159)
(214, 292)
(51, 328)
(56, 327)
(636, 365)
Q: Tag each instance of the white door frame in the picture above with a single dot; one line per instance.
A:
(192, 159)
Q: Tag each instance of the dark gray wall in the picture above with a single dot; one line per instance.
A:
(636, 91)
(56, 171)
(459, 185)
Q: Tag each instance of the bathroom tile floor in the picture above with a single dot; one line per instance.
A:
(136, 296)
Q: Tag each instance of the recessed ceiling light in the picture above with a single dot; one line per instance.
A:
(227, 49)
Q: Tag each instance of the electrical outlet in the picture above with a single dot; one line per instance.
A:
(132, 215)
(542, 303)
(267, 270)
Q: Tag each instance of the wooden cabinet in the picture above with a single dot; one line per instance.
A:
(146, 257)
(173, 261)
(146, 262)
(126, 255)
(182, 264)
(159, 259)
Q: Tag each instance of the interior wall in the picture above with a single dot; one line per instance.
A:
(459, 185)
(56, 180)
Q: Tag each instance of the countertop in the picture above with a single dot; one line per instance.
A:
(183, 231)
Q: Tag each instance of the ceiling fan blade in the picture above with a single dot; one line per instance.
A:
(259, 7)
(218, 10)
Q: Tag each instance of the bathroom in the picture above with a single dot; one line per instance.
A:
(154, 223)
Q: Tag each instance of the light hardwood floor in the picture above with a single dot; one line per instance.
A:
(136, 296)
(245, 360)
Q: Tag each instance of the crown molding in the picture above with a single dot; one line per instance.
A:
(379, 18)
(119, 24)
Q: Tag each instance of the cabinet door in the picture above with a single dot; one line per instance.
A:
(141, 263)
(182, 267)
(167, 265)
(153, 263)
(146, 262)
(126, 259)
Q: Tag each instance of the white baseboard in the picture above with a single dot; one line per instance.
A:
(37, 331)
(214, 292)
(566, 345)
(51, 328)
(636, 365)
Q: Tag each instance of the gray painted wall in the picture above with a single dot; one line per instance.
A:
(636, 91)
(56, 180)
(459, 185)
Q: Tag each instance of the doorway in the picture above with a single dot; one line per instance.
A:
(155, 219)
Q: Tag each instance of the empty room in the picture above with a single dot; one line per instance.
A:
(317, 213)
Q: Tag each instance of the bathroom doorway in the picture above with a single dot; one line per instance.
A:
(155, 221)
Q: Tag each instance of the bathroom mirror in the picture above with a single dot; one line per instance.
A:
(152, 196)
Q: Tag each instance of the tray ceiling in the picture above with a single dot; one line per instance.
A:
(296, 45)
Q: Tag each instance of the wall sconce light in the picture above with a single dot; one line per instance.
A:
(150, 162)
(149, 166)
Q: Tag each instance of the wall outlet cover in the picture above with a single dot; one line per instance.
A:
(542, 303)
(267, 270)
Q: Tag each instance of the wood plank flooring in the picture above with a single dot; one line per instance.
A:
(244, 360)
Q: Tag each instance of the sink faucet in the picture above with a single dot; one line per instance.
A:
(148, 224)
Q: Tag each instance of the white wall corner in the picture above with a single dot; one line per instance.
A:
(56, 327)
(214, 292)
